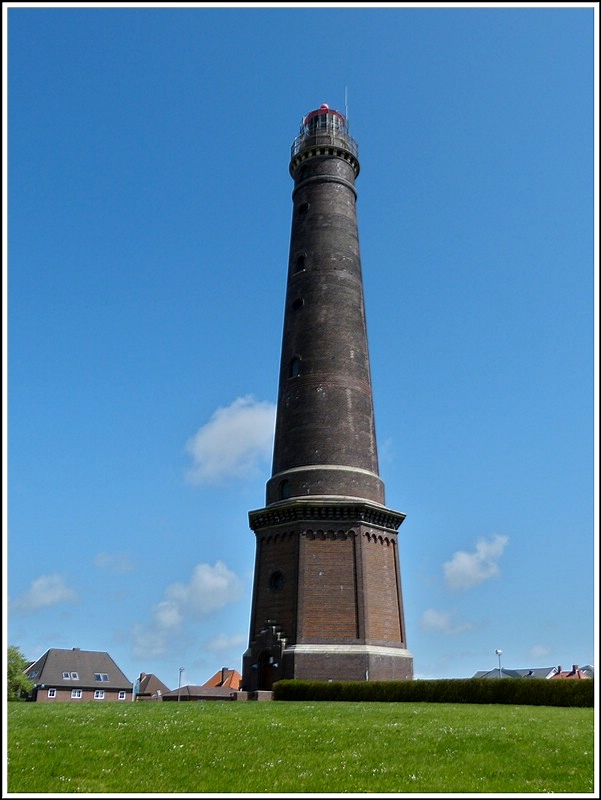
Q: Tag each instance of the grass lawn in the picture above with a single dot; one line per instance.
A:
(298, 747)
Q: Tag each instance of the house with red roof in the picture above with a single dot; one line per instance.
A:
(575, 673)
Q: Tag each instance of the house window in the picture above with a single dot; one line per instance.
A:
(76, 694)
(101, 676)
(99, 694)
(51, 692)
(74, 676)
(66, 676)
(121, 696)
(33, 675)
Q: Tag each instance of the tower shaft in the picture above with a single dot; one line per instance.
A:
(327, 600)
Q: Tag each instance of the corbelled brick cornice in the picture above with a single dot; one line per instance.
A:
(298, 510)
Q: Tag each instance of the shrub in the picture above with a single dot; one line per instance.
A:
(511, 691)
(18, 684)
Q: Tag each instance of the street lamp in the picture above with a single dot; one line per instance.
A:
(498, 652)
(179, 682)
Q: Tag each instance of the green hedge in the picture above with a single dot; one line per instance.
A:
(513, 691)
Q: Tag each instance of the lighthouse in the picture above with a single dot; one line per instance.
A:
(327, 601)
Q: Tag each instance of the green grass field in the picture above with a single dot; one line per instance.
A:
(296, 747)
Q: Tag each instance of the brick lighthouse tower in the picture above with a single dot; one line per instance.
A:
(327, 601)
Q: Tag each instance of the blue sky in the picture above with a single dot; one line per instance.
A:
(148, 222)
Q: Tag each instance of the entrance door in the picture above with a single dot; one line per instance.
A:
(265, 669)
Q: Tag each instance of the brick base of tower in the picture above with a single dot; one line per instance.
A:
(351, 663)
(327, 663)
(327, 601)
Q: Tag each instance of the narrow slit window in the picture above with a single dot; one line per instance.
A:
(276, 581)
(300, 263)
(295, 366)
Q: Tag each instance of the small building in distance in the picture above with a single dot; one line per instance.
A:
(225, 678)
(538, 672)
(222, 686)
(149, 687)
(75, 675)
(587, 671)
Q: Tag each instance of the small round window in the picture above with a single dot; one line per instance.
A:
(276, 581)
(298, 304)
(303, 208)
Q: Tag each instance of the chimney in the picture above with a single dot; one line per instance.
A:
(575, 669)
(224, 671)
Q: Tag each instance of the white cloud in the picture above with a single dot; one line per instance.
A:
(167, 614)
(115, 562)
(233, 442)
(210, 589)
(468, 569)
(148, 643)
(221, 642)
(386, 451)
(539, 651)
(45, 591)
(441, 622)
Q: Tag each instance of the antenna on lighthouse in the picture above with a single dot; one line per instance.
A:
(346, 103)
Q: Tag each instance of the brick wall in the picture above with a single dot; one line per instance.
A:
(329, 590)
(63, 695)
(382, 617)
(278, 554)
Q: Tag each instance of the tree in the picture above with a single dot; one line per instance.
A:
(18, 683)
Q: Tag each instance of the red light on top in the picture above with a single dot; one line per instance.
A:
(325, 109)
